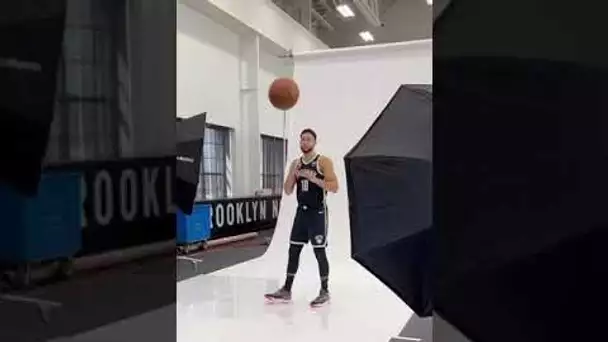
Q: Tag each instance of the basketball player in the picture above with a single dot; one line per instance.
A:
(313, 176)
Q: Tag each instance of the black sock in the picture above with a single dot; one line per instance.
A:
(288, 282)
(324, 285)
(293, 263)
(323, 267)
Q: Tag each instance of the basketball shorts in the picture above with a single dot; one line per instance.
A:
(309, 225)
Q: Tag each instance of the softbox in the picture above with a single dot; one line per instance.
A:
(190, 135)
(31, 32)
(389, 191)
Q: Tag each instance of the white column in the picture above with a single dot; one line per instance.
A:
(247, 135)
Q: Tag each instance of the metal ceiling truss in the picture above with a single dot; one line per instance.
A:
(370, 10)
(321, 10)
(311, 14)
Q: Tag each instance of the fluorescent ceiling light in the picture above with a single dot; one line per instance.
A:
(430, 2)
(366, 36)
(345, 11)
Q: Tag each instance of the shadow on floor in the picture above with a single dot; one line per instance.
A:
(417, 330)
(430, 329)
(445, 332)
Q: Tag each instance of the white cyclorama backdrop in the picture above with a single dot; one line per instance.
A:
(342, 92)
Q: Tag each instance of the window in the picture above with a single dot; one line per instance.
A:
(273, 163)
(214, 161)
(87, 115)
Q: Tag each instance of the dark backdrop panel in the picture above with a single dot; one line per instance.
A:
(31, 36)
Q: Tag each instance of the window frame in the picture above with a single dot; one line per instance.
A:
(208, 190)
(273, 162)
(87, 78)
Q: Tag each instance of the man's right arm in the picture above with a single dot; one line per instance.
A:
(290, 181)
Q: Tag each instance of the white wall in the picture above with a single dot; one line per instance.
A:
(271, 67)
(207, 69)
(208, 73)
(225, 70)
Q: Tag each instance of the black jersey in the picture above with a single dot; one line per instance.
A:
(310, 194)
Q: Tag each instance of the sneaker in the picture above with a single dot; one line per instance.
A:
(281, 295)
(322, 298)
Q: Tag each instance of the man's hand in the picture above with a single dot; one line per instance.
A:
(312, 177)
(291, 179)
(296, 170)
(308, 174)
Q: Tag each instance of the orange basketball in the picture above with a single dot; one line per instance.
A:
(283, 93)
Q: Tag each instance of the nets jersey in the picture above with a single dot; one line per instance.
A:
(310, 194)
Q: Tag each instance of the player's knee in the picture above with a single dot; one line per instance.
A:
(320, 252)
(294, 249)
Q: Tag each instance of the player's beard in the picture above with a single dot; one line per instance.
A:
(306, 150)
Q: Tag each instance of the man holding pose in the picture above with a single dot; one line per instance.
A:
(313, 176)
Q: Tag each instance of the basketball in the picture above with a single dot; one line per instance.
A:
(283, 93)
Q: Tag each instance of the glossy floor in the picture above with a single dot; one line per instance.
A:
(229, 306)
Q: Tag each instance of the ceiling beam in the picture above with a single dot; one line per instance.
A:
(319, 18)
(370, 11)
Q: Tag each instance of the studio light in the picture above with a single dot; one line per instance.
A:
(345, 11)
(366, 36)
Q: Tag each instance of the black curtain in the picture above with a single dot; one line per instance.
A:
(31, 37)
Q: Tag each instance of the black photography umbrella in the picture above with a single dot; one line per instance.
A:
(522, 227)
(388, 175)
(31, 36)
(521, 165)
(190, 135)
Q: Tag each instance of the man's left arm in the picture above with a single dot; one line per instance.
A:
(330, 183)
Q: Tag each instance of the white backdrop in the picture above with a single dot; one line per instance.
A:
(342, 93)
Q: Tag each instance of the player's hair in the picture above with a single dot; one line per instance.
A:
(309, 131)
